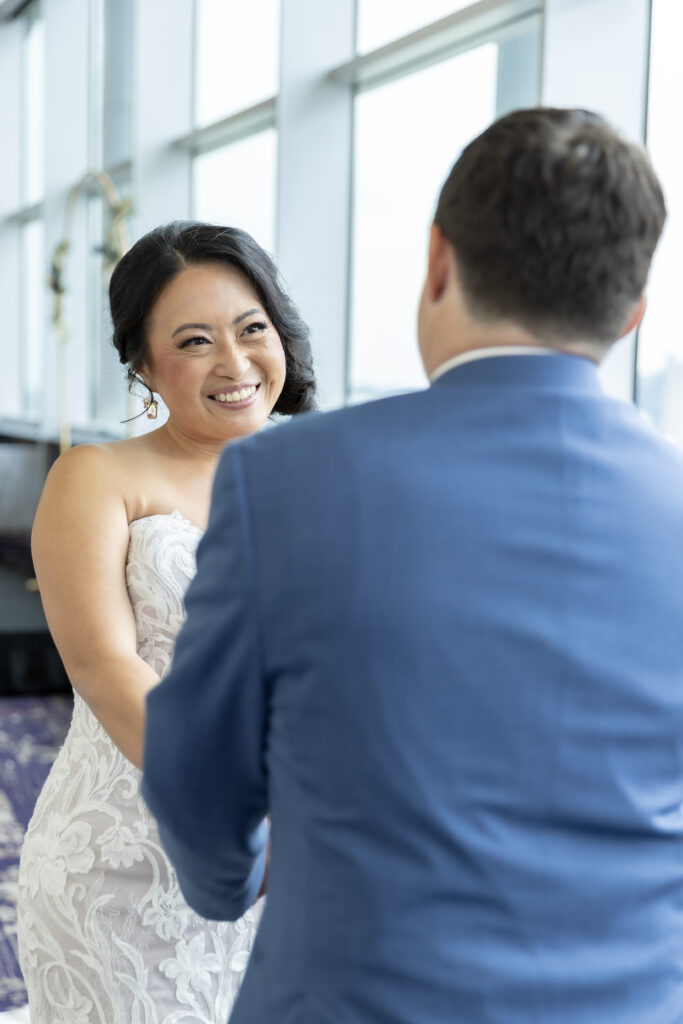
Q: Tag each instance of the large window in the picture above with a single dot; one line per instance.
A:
(237, 56)
(416, 109)
(402, 158)
(235, 185)
(325, 128)
(235, 143)
(660, 348)
(380, 22)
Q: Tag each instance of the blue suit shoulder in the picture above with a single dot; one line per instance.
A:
(317, 431)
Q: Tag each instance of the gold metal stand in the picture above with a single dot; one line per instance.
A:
(115, 245)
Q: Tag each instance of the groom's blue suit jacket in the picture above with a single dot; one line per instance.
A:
(439, 638)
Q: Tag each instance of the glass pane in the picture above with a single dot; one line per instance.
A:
(237, 56)
(381, 21)
(34, 107)
(118, 48)
(108, 396)
(34, 290)
(660, 348)
(235, 185)
(401, 161)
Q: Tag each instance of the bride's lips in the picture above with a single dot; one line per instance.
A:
(235, 397)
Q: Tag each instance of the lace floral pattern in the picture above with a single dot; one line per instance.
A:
(105, 936)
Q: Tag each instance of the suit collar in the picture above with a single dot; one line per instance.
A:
(538, 370)
(488, 353)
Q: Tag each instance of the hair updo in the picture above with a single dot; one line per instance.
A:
(158, 256)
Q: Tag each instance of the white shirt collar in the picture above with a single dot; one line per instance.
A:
(488, 353)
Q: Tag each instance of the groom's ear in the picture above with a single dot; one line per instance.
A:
(439, 264)
(636, 316)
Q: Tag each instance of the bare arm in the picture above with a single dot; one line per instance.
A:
(79, 544)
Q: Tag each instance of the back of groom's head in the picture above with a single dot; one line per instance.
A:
(553, 219)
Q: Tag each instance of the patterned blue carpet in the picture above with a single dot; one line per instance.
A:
(32, 729)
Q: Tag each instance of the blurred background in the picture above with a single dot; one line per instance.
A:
(323, 128)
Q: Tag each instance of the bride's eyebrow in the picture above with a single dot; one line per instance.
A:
(184, 327)
(209, 327)
(243, 316)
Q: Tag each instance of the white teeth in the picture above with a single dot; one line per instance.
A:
(236, 396)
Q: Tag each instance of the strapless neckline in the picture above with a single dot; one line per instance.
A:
(175, 514)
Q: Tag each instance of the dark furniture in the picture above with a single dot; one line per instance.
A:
(29, 662)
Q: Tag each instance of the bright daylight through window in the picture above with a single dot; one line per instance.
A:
(401, 161)
(660, 347)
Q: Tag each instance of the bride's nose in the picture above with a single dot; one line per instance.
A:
(232, 360)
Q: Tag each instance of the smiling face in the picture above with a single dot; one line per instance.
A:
(213, 355)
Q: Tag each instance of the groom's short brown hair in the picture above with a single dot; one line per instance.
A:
(554, 219)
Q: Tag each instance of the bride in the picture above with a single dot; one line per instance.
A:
(105, 936)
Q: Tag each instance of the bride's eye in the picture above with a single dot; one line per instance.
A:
(255, 328)
(194, 342)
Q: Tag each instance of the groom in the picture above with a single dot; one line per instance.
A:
(439, 639)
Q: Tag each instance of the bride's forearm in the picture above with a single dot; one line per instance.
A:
(116, 694)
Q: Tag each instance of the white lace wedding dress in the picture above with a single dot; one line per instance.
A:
(105, 936)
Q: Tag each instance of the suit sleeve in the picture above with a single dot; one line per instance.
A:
(204, 771)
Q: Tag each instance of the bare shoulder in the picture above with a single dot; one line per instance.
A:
(91, 470)
(116, 483)
(87, 459)
(101, 473)
(85, 487)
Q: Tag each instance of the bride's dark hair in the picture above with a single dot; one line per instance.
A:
(158, 256)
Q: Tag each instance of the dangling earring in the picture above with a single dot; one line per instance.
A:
(151, 406)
